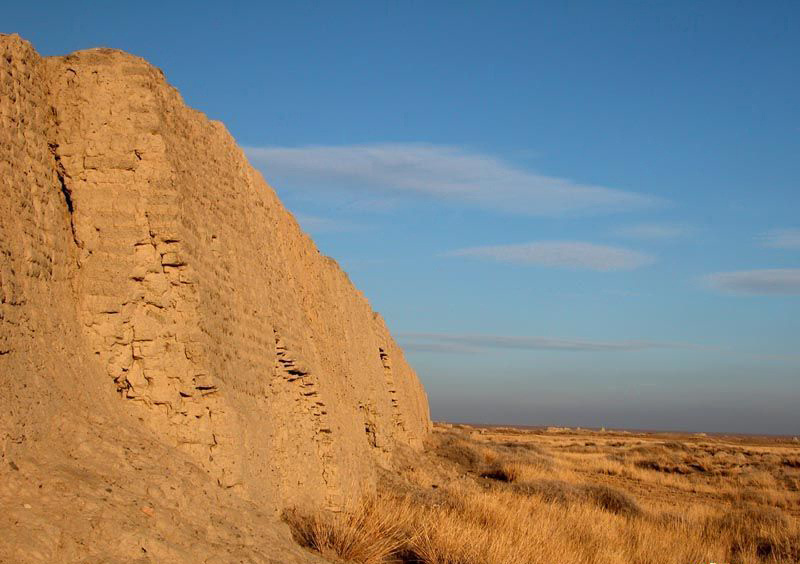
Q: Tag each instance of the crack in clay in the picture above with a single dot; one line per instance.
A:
(65, 191)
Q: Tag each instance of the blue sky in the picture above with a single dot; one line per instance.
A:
(574, 213)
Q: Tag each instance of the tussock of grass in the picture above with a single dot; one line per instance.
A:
(602, 496)
(791, 462)
(454, 448)
(369, 534)
(757, 533)
(611, 500)
(526, 446)
(550, 491)
(662, 466)
(501, 472)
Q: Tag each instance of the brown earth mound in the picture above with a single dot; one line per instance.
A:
(178, 362)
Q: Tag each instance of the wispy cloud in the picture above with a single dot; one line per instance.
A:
(435, 347)
(448, 343)
(655, 231)
(780, 281)
(563, 254)
(446, 173)
(782, 239)
(315, 224)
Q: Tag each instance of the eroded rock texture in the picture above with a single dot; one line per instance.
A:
(151, 280)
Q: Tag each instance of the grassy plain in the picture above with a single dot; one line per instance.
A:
(501, 495)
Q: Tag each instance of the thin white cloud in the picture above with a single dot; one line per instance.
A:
(777, 281)
(435, 347)
(448, 343)
(655, 231)
(446, 173)
(782, 239)
(316, 224)
(561, 254)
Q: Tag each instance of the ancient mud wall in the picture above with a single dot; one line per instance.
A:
(146, 265)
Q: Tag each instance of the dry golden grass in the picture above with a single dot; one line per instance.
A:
(505, 496)
(369, 533)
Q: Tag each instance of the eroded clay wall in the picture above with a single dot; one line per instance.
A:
(41, 379)
(201, 305)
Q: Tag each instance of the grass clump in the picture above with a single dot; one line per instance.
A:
(503, 471)
(611, 500)
(369, 534)
(549, 491)
(757, 533)
(457, 450)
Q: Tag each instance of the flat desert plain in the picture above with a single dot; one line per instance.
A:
(510, 495)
